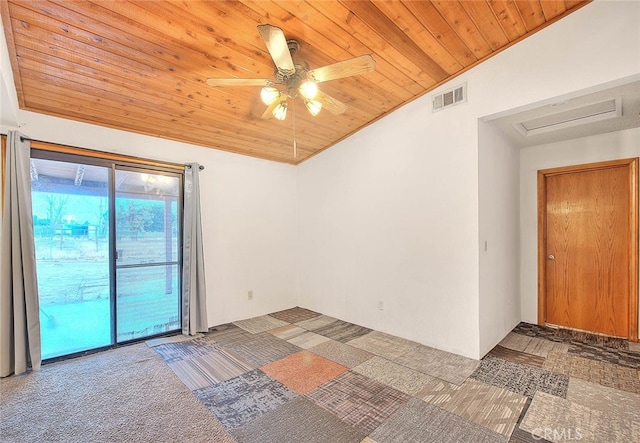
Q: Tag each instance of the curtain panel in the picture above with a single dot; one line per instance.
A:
(194, 291)
(19, 307)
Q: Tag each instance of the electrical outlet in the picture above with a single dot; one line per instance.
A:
(381, 305)
(250, 295)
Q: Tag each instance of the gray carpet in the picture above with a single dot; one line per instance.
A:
(123, 395)
(522, 379)
(342, 331)
(298, 421)
(420, 422)
(242, 399)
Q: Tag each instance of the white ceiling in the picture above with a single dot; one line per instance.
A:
(628, 92)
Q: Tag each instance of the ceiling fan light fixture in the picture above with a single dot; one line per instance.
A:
(308, 89)
(280, 111)
(268, 94)
(313, 106)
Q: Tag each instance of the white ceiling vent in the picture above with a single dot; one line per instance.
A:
(450, 98)
(582, 115)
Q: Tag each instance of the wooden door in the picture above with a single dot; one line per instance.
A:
(588, 253)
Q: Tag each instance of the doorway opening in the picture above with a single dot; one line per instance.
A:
(588, 247)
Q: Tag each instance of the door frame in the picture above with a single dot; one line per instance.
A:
(113, 162)
(632, 168)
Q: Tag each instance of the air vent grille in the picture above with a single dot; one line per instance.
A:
(449, 98)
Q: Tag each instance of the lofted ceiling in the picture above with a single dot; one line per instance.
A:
(141, 66)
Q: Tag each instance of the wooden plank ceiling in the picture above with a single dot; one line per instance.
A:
(141, 66)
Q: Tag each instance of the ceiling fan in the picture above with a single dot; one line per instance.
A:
(293, 78)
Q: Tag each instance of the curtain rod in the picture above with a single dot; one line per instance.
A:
(24, 138)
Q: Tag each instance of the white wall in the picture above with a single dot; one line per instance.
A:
(8, 96)
(610, 146)
(375, 224)
(248, 214)
(392, 213)
(499, 234)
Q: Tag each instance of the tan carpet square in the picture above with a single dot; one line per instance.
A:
(489, 406)
(391, 374)
(594, 371)
(532, 345)
(340, 353)
(260, 324)
(384, 345)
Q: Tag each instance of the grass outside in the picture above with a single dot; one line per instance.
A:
(73, 284)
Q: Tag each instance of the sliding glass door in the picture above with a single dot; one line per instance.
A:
(71, 228)
(148, 296)
(107, 252)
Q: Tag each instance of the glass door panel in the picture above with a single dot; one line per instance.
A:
(71, 228)
(147, 237)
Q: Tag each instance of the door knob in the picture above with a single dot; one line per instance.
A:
(551, 257)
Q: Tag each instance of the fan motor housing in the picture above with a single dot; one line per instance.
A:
(291, 81)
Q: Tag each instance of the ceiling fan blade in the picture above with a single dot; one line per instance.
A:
(239, 82)
(331, 104)
(268, 113)
(277, 46)
(347, 68)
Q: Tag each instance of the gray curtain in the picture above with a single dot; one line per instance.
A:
(194, 291)
(19, 307)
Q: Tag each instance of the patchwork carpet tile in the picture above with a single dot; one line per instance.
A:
(517, 356)
(384, 345)
(172, 339)
(316, 323)
(238, 401)
(420, 422)
(342, 331)
(603, 373)
(303, 371)
(172, 352)
(557, 419)
(298, 421)
(521, 436)
(263, 348)
(358, 400)
(294, 315)
(623, 357)
(521, 379)
(340, 353)
(444, 365)
(621, 404)
(489, 406)
(532, 345)
(287, 332)
(308, 339)
(392, 374)
(228, 335)
(260, 324)
(437, 391)
(569, 336)
(205, 370)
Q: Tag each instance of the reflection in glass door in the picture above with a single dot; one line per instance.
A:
(147, 260)
(70, 218)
